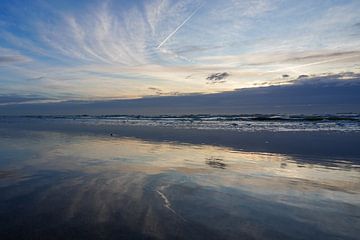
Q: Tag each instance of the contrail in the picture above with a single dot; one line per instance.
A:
(313, 63)
(182, 24)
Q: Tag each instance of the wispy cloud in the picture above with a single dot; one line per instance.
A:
(8, 56)
(107, 49)
(12, 59)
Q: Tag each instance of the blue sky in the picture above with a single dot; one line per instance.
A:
(64, 50)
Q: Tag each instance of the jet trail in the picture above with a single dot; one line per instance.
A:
(182, 24)
(313, 63)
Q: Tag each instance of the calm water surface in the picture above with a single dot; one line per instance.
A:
(81, 186)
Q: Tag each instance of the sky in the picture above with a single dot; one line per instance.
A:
(56, 50)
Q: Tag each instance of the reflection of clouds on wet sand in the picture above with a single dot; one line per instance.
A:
(99, 186)
(216, 162)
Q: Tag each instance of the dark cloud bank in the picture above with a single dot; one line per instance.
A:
(13, 99)
(308, 95)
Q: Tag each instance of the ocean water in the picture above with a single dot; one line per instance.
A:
(57, 184)
(259, 122)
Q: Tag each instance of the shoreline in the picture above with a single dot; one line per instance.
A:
(314, 144)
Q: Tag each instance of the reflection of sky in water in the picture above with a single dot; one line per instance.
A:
(87, 186)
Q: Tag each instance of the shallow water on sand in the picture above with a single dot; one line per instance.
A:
(57, 185)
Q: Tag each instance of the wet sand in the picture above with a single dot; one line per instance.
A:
(317, 144)
(79, 181)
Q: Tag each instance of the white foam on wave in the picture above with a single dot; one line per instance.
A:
(250, 123)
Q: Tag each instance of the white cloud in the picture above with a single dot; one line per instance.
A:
(111, 49)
